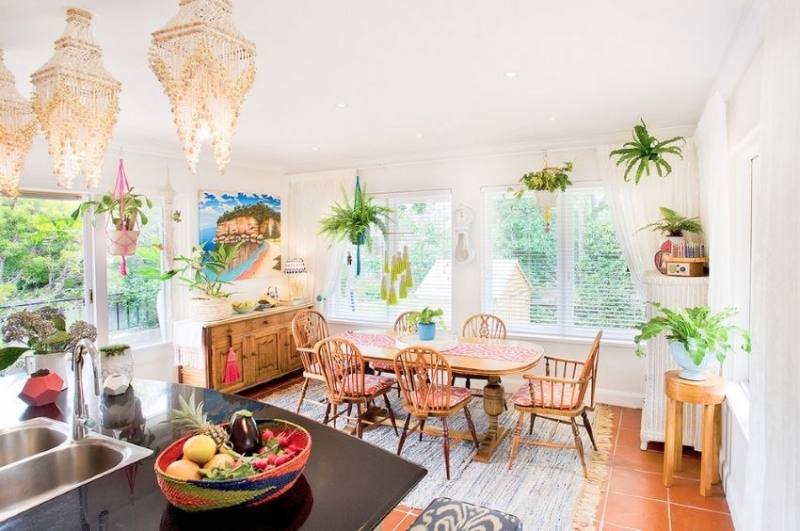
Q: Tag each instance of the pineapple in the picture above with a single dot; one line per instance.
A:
(192, 418)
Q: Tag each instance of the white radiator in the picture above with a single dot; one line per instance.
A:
(674, 293)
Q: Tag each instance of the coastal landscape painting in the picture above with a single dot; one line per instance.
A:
(251, 220)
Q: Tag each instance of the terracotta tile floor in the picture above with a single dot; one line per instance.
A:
(634, 497)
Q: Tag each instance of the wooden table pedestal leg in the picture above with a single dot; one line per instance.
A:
(669, 442)
(708, 461)
(494, 405)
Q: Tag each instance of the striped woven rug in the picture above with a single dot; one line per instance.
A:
(545, 488)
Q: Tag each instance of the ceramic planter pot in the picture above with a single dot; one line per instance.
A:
(426, 331)
(116, 370)
(55, 363)
(682, 358)
(122, 242)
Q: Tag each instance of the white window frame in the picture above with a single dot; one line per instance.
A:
(564, 271)
(387, 323)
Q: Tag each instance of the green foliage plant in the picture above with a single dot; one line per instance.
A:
(549, 179)
(698, 329)
(426, 316)
(674, 224)
(121, 219)
(645, 149)
(202, 271)
(115, 349)
(352, 221)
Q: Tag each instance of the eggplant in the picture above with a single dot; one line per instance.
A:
(245, 437)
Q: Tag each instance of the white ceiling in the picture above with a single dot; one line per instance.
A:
(418, 77)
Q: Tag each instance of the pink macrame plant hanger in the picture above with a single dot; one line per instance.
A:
(122, 240)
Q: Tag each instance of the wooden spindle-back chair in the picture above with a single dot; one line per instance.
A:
(347, 382)
(482, 325)
(424, 376)
(308, 328)
(560, 393)
(402, 326)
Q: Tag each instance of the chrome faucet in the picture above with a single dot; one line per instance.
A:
(81, 422)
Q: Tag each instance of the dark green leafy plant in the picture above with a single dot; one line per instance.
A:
(426, 316)
(352, 221)
(121, 220)
(646, 149)
(699, 330)
(674, 224)
(115, 349)
(549, 178)
(202, 271)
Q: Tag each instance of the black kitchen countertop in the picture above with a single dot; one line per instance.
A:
(347, 485)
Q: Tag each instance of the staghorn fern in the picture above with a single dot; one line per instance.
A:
(646, 149)
(352, 221)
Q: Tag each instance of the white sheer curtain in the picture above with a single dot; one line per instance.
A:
(773, 472)
(311, 196)
(634, 206)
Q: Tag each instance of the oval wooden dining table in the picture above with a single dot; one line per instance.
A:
(376, 347)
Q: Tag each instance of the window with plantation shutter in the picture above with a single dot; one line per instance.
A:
(421, 226)
(565, 278)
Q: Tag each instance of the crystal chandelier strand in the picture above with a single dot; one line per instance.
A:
(206, 68)
(76, 101)
(17, 129)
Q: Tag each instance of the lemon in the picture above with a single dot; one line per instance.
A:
(183, 469)
(200, 449)
(219, 461)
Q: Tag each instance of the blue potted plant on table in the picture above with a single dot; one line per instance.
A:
(425, 322)
(694, 335)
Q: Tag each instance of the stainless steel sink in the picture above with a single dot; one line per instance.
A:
(24, 441)
(50, 463)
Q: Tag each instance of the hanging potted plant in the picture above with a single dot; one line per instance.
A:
(352, 221)
(43, 336)
(425, 322)
(202, 272)
(125, 217)
(645, 149)
(673, 225)
(545, 184)
(694, 335)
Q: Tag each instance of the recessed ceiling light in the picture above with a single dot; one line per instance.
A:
(552, 118)
(511, 73)
(341, 105)
(315, 148)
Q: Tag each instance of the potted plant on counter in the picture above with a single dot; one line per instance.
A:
(202, 272)
(43, 335)
(674, 226)
(545, 183)
(116, 368)
(425, 322)
(645, 149)
(694, 335)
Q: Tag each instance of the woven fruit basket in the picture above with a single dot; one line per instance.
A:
(251, 491)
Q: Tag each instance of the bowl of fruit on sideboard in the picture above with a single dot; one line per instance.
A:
(243, 463)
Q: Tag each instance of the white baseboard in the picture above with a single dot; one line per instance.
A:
(620, 398)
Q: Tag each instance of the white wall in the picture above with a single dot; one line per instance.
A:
(147, 173)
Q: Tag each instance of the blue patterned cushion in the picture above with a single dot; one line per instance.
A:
(444, 514)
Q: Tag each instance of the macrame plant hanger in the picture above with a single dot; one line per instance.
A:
(361, 238)
(121, 239)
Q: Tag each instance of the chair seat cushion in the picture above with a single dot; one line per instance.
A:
(547, 396)
(444, 514)
(373, 385)
(437, 395)
(385, 366)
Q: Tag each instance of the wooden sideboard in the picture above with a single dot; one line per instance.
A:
(262, 342)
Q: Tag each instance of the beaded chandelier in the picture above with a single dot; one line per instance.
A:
(76, 101)
(17, 129)
(206, 68)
